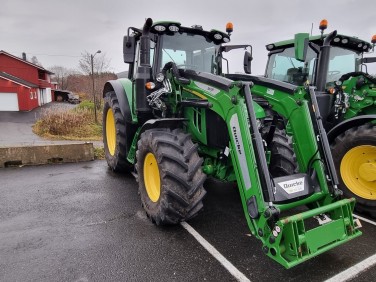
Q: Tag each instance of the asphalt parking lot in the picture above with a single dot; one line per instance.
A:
(81, 222)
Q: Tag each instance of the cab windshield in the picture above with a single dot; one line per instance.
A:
(188, 51)
(342, 61)
(283, 66)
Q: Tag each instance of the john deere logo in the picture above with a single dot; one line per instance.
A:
(210, 89)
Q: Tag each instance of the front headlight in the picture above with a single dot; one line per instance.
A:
(160, 77)
(160, 28)
(173, 28)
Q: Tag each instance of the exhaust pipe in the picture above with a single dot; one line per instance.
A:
(323, 64)
(145, 43)
(143, 74)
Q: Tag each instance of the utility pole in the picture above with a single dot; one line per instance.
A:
(92, 76)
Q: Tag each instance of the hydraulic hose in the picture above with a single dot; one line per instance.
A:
(357, 73)
(175, 72)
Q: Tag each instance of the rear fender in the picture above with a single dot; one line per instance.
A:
(349, 123)
(123, 90)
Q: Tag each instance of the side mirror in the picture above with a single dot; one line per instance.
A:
(301, 46)
(247, 62)
(129, 49)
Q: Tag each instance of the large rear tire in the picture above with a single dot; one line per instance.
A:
(117, 135)
(169, 175)
(354, 155)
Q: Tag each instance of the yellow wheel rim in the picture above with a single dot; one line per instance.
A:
(152, 178)
(358, 171)
(110, 132)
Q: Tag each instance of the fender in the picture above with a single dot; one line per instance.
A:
(123, 90)
(162, 123)
(349, 123)
(153, 123)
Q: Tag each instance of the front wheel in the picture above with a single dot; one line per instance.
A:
(169, 175)
(354, 155)
(282, 155)
(282, 159)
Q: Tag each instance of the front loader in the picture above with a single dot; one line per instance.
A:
(177, 119)
(337, 66)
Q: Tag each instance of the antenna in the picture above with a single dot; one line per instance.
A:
(311, 28)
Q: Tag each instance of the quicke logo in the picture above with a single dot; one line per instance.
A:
(293, 186)
(237, 143)
(289, 185)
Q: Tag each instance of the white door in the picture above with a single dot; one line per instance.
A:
(40, 97)
(8, 102)
(48, 95)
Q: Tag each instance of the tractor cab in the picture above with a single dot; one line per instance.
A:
(190, 48)
(193, 52)
(345, 56)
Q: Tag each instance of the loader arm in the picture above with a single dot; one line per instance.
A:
(287, 239)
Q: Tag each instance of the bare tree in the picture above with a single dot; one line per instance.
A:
(35, 61)
(100, 63)
(61, 75)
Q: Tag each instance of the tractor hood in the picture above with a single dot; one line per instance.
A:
(215, 81)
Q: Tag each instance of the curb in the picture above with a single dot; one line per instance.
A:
(46, 154)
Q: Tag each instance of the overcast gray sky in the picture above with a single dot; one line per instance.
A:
(57, 31)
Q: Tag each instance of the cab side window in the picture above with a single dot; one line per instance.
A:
(137, 59)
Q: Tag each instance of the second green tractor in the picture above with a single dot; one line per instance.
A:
(337, 66)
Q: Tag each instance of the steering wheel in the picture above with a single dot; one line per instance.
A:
(187, 66)
(335, 72)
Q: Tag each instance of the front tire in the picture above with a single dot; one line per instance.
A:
(117, 135)
(354, 155)
(282, 158)
(169, 175)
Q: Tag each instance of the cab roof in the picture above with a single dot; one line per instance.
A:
(344, 41)
(170, 27)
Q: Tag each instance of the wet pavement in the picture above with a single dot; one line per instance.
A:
(82, 222)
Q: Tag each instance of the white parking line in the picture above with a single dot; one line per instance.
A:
(365, 219)
(354, 271)
(217, 255)
(346, 275)
(358, 268)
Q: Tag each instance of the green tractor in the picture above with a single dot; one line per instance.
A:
(178, 118)
(346, 95)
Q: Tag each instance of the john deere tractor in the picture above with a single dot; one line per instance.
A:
(178, 118)
(346, 95)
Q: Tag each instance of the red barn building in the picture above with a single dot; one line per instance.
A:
(23, 85)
